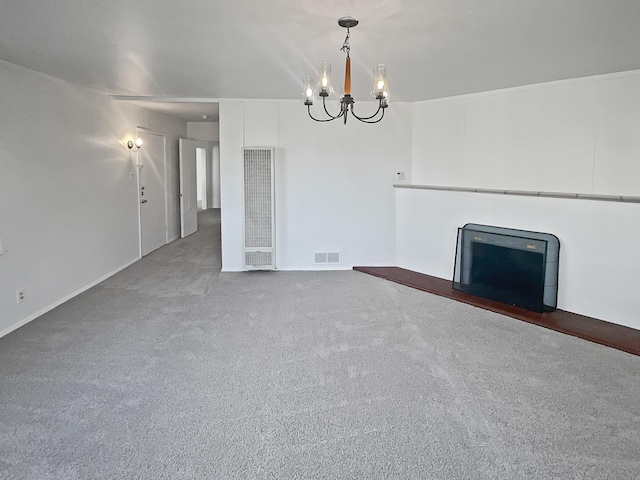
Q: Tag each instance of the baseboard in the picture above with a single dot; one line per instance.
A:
(592, 329)
(57, 303)
(316, 268)
(279, 269)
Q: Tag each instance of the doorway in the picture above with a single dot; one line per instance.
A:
(199, 181)
(201, 178)
(208, 175)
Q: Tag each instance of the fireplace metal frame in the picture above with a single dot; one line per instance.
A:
(538, 242)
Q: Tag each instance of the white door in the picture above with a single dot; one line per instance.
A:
(188, 188)
(151, 195)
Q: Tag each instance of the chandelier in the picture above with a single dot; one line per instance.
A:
(323, 86)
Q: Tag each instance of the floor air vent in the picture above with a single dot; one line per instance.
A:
(259, 209)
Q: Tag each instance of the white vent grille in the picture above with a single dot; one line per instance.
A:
(259, 222)
(258, 260)
(331, 257)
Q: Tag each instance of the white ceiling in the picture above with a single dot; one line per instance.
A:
(213, 49)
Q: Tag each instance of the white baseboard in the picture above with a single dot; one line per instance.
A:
(331, 268)
(48, 308)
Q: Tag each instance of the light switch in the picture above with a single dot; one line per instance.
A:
(399, 175)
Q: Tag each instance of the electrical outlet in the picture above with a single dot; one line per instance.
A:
(21, 295)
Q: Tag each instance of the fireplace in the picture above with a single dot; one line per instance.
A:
(516, 267)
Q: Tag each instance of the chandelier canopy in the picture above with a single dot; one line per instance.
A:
(324, 88)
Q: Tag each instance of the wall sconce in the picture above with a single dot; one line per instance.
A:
(135, 146)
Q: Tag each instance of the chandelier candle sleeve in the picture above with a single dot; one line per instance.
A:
(380, 88)
(308, 94)
(324, 80)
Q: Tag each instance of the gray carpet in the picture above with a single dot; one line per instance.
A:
(171, 369)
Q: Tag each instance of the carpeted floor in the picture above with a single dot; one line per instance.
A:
(171, 369)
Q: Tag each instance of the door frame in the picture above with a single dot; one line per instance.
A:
(202, 176)
(148, 131)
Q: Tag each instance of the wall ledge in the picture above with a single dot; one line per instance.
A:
(526, 193)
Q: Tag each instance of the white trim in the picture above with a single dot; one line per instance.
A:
(526, 193)
(166, 190)
(138, 203)
(59, 302)
(520, 88)
(159, 99)
(552, 83)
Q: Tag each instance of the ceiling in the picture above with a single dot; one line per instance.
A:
(201, 51)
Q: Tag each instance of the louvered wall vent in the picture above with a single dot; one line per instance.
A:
(259, 209)
(330, 257)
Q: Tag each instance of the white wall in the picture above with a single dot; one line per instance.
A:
(578, 136)
(333, 182)
(68, 208)
(205, 131)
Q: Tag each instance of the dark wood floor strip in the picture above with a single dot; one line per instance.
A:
(592, 329)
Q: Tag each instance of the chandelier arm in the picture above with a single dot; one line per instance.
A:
(324, 104)
(362, 119)
(367, 119)
(319, 120)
